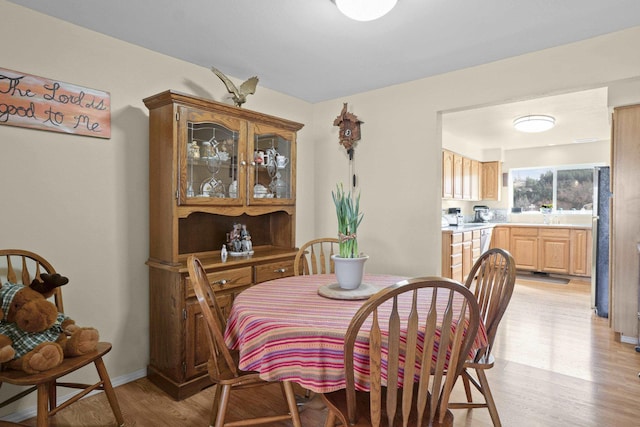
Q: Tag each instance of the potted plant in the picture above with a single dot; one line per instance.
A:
(349, 263)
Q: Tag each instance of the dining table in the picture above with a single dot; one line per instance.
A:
(293, 328)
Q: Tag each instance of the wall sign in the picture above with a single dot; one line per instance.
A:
(40, 103)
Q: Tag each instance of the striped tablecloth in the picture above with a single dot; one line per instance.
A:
(286, 331)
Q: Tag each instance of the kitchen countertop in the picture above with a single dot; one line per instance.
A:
(470, 226)
(479, 225)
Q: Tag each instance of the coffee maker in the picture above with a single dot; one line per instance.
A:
(455, 216)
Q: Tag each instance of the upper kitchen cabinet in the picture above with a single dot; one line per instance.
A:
(490, 173)
(468, 179)
(447, 174)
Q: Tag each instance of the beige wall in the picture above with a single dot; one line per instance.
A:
(82, 202)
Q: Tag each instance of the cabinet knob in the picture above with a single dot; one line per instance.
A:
(243, 163)
(220, 282)
(280, 270)
(253, 163)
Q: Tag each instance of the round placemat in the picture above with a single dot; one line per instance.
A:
(334, 291)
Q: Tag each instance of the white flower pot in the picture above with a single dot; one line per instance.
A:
(349, 271)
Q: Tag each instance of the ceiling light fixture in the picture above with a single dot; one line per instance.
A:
(532, 124)
(365, 10)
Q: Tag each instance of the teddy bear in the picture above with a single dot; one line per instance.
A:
(34, 336)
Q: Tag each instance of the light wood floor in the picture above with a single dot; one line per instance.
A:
(557, 365)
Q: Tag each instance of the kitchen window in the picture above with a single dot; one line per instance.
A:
(565, 188)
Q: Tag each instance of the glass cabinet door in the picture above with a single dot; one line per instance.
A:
(212, 157)
(272, 179)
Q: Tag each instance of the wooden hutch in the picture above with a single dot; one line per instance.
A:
(211, 166)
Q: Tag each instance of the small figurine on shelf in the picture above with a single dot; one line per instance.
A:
(239, 241)
(245, 237)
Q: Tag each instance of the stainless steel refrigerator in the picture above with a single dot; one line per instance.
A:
(600, 233)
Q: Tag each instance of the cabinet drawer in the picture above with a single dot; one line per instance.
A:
(554, 232)
(476, 234)
(456, 238)
(222, 280)
(456, 249)
(467, 236)
(528, 231)
(273, 270)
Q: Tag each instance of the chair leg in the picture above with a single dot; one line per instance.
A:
(109, 392)
(486, 391)
(222, 406)
(291, 402)
(216, 403)
(53, 396)
(330, 421)
(467, 385)
(42, 419)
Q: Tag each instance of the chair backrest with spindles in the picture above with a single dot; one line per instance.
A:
(397, 338)
(20, 266)
(492, 280)
(314, 257)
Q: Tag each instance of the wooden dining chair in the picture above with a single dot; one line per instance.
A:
(314, 257)
(396, 339)
(492, 280)
(20, 266)
(223, 362)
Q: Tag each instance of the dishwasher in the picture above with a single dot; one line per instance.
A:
(485, 239)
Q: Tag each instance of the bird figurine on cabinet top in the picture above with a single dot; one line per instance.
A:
(239, 96)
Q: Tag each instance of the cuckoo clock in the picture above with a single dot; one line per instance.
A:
(349, 128)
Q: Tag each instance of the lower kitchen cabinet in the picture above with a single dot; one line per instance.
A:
(554, 245)
(523, 245)
(548, 249)
(500, 237)
(460, 250)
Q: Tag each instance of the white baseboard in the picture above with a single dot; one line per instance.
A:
(25, 414)
(629, 340)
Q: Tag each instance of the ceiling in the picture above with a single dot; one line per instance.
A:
(580, 117)
(309, 50)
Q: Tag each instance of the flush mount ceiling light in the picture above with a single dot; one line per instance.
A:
(365, 10)
(534, 123)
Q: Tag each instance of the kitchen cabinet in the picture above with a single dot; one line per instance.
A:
(581, 247)
(491, 180)
(500, 238)
(476, 248)
(475, 180)
(460, 250)
(447, 174)
(467, 253)
(457, 176)
(212, 166)
(452, 255)
(554, 247)
(465, 179)
(523, 245)
(560, 250)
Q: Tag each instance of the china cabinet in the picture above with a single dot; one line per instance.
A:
(213, 168)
